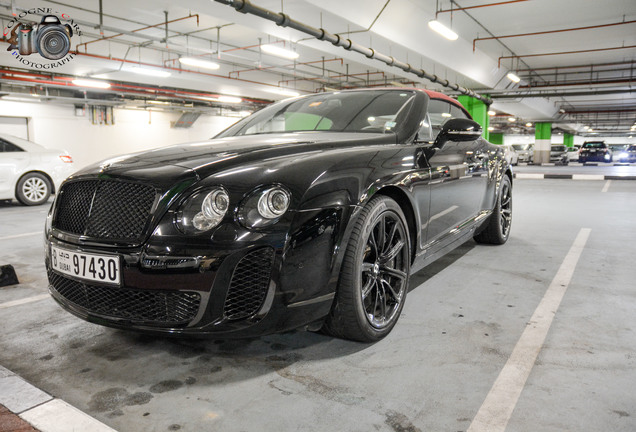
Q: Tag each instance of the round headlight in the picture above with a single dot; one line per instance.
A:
(264, 206)
(203, 211)
(215, 204)
(273, 203)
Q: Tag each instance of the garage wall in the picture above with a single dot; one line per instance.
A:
(56, 126)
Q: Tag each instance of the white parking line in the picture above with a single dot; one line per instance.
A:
(41, 409)
(23, 301)
(58, 416)
(607, 185)
(495, 412)
(22, 235)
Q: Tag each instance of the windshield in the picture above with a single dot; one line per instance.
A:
(594, 145)
(521, 146)
(379, 111)
(558, 148)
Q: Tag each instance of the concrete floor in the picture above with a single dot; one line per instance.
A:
(460, 323)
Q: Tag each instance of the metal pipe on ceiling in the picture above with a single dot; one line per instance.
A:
(177, 69)
(596, 82)
(479, 6)
(522, 95)
(165, 23)
(562, 52)
(620, 111)
(257, 69)
(550, 32)
(631, 62)
(283, 20)
(488, 31)
(327, 78)
(65, 81)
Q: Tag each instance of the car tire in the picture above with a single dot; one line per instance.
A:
(497, 228)
(33, 189)
(374, 275)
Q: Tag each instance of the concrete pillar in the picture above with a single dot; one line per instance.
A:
(542, 142)
(496, 138)
(568, 140)
(478, 111)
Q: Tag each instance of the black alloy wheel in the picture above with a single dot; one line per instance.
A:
(374, 276)
(498, 226)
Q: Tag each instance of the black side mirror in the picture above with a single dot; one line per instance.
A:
(459, 129)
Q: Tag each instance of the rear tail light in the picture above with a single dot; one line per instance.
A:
(66, 158)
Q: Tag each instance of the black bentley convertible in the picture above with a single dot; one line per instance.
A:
(312, 213)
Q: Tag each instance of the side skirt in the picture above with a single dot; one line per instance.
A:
(451, 240)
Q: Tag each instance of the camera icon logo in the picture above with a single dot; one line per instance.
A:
(51, 39)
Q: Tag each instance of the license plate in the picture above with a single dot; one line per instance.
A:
(87, 266)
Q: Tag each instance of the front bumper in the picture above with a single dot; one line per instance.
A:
(594, 157)
(269, 284)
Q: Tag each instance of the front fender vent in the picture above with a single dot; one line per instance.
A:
(249, 284)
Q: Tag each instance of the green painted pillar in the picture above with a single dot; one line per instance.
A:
(542, 143)
(568, 139)
(478, 111)
(496, 138)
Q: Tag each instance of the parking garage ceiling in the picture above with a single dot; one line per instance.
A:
(576, 63)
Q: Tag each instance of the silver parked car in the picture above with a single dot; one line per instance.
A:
(559, 154)
(525, 152)
(29, 172)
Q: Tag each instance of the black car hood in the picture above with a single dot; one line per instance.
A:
(208, 157)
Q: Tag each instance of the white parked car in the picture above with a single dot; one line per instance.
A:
(29, 172)
(525, 152)
(573, 154)
(511, 154)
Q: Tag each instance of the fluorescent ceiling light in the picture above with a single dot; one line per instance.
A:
(446, 114)
(512, 119)
(151, 72)
(492, 113)
(230, 99)
(442, 29)
(491, 128)
(528, 124)
(280, 52)
(204, 64)
(512, 77)
(91, 83)
(284, 92)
